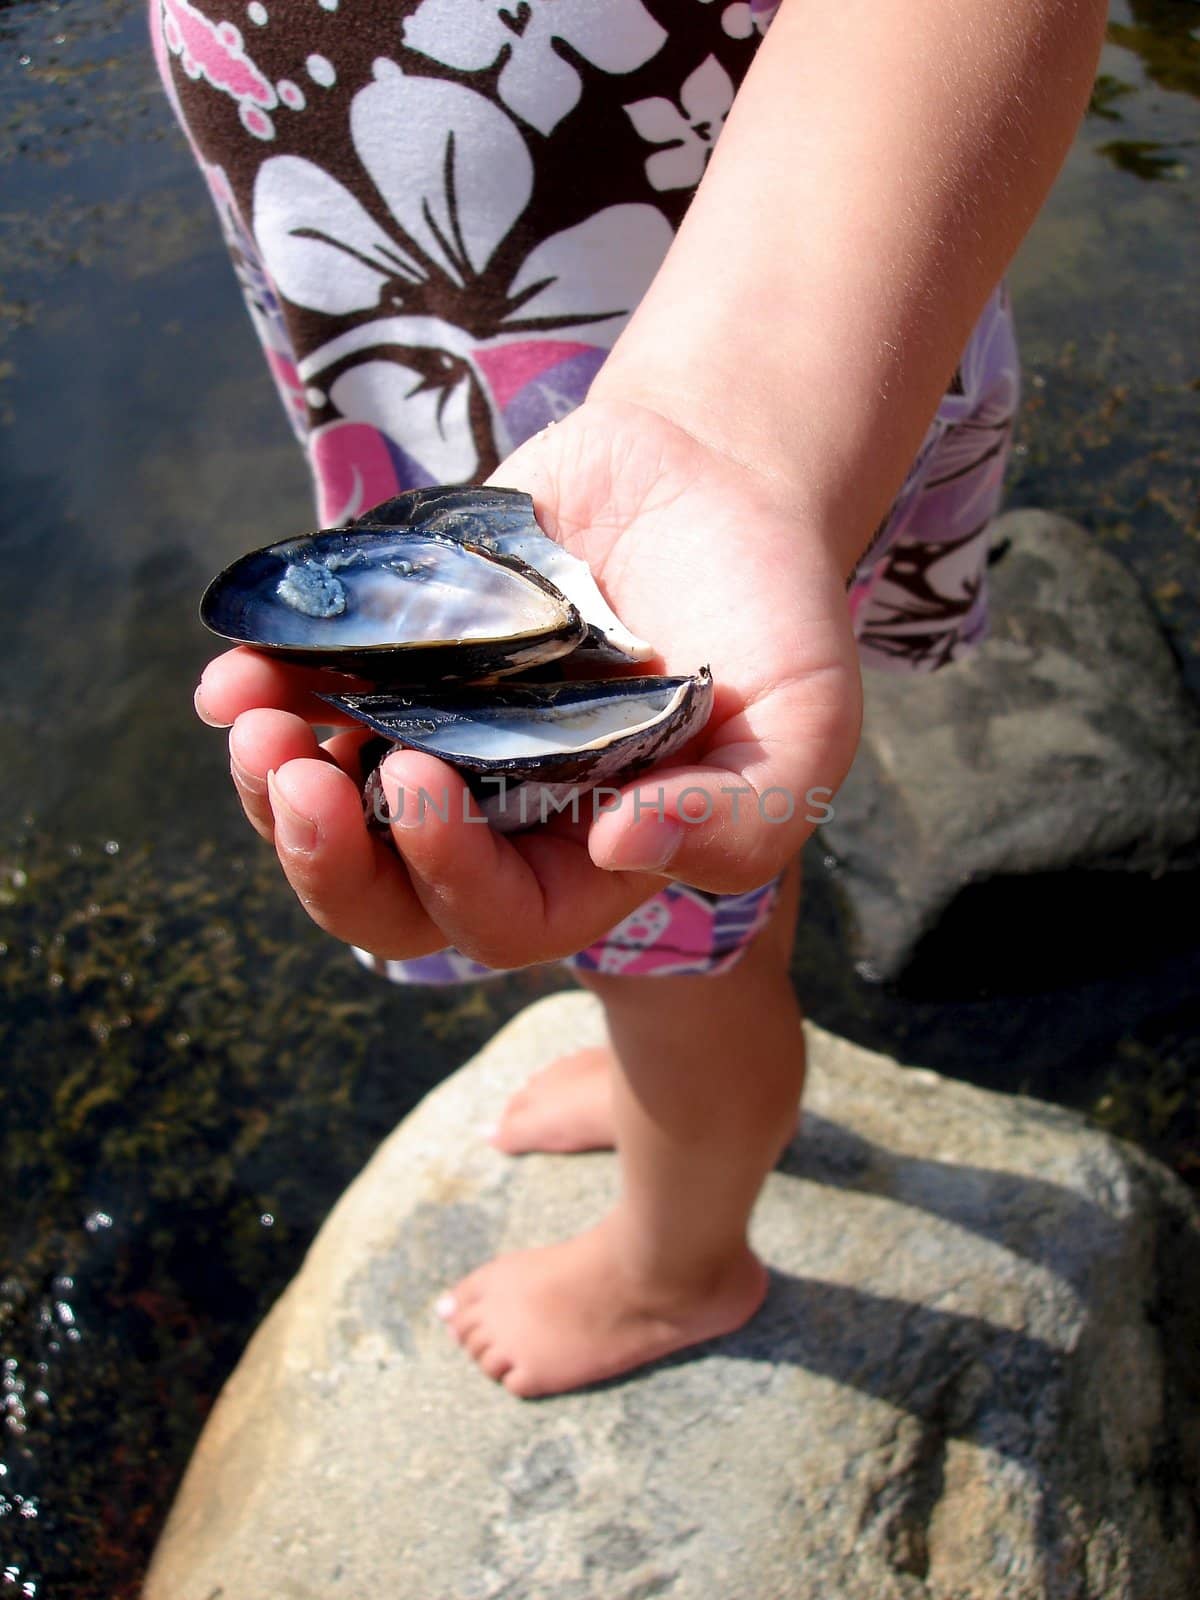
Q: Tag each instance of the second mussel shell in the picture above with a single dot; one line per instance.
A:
(526, 750)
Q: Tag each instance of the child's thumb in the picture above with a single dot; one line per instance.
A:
(708, 828)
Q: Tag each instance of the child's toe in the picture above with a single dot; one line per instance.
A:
(477, 1341)
(494, 1363)
(520, 1383)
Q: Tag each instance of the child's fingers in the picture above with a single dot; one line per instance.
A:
(241, 680)
(345, 749)
(260, 742)
(505, 900)
(347, 879)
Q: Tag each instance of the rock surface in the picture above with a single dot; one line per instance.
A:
(974, 1376)
(1066, 745)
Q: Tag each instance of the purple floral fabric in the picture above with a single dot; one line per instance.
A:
(442, 213)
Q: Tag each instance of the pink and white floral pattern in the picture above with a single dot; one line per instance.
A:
(449, 391)
(537, 83)
(216, 52)
(688, 130)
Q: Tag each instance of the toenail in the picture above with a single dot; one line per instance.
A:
(444, 1305)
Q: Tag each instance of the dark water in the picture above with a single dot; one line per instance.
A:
(190, 1073)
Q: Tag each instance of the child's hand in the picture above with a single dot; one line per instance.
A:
(807, 319)
(697, 554)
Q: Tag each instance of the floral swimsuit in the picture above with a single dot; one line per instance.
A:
(442, 213)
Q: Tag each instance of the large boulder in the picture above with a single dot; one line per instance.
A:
(975, 1376)
(1040, 798)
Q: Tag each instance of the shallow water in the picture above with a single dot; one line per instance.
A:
(191, 1072)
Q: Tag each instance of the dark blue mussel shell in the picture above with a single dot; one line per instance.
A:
(393, 604)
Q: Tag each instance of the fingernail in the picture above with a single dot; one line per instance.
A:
(292, 829)
(198, 702)
(649, 849)
(489, 1131)
(444, 1306)
(245, 780)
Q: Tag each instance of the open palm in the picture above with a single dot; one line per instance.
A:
(697, 554)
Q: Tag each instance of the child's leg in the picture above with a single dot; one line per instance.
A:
(703, 1099)
(567, 1106)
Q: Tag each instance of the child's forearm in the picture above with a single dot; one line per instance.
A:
(881, 163)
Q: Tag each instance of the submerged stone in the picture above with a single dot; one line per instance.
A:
(1035, 806)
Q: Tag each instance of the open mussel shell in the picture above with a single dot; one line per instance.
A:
(503, 520)
(527, 749)
(395, 605)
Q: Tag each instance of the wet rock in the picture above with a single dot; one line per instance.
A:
(974, 1376)
(1039, 802)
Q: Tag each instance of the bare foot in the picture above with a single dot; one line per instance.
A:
(544, 1321)
(565, 1107)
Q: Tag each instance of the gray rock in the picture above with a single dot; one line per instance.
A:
(1067, 744)
(974, 1376)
